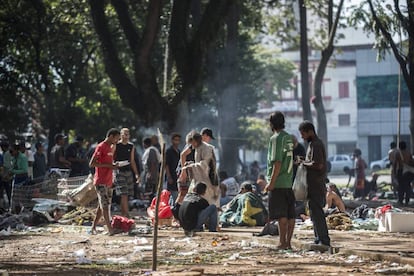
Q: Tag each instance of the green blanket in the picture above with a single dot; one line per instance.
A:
(245, 210)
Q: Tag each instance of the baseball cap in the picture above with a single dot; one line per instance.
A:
(208, 132)
(59, 136)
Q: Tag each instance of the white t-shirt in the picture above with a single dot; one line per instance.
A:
(232, 186)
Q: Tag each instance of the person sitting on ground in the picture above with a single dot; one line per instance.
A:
(261, 183)
(229, 188)
(371, 186)
(334, 203)
(245, 209)
(195, 211)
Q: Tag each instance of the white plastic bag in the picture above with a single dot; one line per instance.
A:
(300, 186)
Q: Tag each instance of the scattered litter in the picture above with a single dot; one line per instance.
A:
(351, 259)
(244, 243)
(142, 248)
(120, 260)
(395, 270)
(234, 257)
(6, 232)
(143, 230)
(189, 253)
(81, 258)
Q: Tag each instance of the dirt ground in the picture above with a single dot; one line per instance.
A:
(69, 250)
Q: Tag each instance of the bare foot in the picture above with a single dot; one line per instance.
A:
(282, 247)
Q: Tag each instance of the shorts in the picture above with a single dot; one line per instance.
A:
(281, 203)
(125, 182)
(104, 195)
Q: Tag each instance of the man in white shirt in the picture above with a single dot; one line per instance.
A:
(229, 188)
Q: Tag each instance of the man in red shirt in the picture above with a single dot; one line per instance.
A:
(103, 161)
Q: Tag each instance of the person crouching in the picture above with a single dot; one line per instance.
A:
(195, 212)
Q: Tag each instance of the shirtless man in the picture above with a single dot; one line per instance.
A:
(333, 201)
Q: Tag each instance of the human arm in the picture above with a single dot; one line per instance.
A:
(328, 201)
(275, 173)
(184, 154)
(61, 157)
(95, 161)
(204, 154)
(134, 164)
(317, 161)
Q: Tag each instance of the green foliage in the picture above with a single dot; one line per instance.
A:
(387, 16)
(49, 58)
(276, 73)
(256, 132)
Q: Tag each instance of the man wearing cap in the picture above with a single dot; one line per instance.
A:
(207, 136)
(57, 154)
(74, 155)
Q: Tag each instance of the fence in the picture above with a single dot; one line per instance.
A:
(53, 187)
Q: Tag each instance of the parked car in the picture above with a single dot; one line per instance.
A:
(380, 164)
(340, 163)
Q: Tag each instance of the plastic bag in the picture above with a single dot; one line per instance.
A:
(300, 185)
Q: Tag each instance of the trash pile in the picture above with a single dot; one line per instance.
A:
(78, 216)
(339, 221)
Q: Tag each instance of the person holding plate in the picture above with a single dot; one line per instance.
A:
(125, 157)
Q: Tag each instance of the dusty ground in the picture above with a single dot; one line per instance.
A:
(69, 250)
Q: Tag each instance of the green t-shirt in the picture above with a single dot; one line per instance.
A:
(281, 149)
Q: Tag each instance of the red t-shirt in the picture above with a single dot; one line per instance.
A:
(104, 155)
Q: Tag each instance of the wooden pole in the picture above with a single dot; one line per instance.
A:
(157, 204)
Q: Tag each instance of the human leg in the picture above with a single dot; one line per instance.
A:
(291, 227)
(318, 218)
(283, 231)
(401, 188)
(104, 200)
(98, 216)
(208, 214)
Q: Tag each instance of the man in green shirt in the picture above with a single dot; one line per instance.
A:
(21, 166)
(279, 176)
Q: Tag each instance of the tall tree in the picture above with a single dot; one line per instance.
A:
(304, 63)
(393, 26)
(326, 53)
(188, 43)
(48, 59)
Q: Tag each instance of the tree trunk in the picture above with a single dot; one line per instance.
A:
(304, 73)
(318, 101)
(320, 72)
(227, 107)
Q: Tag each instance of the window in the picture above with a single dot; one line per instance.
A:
(344, 120)
(343, 89)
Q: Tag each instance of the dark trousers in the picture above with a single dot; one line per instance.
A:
(404, 187)
(316, 203)
(5, 186)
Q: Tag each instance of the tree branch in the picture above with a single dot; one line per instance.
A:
(389, 39)
(178, 34)
(150, 31)
(332, 30)
(113, 65)
(121, 8)
(190, 61)
(401, 17)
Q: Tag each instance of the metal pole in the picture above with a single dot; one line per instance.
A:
(399, 109)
